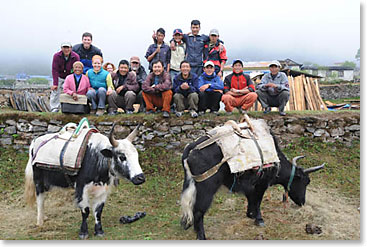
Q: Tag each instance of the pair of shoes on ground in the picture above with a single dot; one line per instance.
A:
(192, 113)
(268, 109)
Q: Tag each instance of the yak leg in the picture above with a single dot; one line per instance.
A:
(204, 198)
(81, 194)
(258, 196)
(40, 208)
(83, 233)
(98, 223)
(40, 192)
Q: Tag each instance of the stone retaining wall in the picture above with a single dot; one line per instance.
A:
(340, 91)
(18, 130)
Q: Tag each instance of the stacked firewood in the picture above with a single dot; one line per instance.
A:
(304, 95)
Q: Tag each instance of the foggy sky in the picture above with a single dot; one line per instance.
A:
(322, 32)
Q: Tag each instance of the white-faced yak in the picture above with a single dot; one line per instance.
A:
(105, 160)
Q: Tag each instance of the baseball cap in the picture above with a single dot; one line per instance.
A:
(177, 30)
(237, 61)
(135, 59)
(274, 62)
(208, 63)
(68, 44)
(214, 32)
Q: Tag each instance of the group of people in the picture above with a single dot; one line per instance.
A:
(184, 74)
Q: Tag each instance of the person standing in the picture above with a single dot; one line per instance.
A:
(177, 55)
(186, 90)
(157, 91)
(86, 51)
(126, 89)
(273, 90)
(213, 52)
(211, 90)
(62, 64)
(159, 51)
(239, 90)
(101, 86)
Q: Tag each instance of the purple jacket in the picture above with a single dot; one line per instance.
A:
(60, 68)
(163, 85)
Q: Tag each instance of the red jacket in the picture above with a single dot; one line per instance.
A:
(238, 81)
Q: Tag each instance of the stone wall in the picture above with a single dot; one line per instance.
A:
(19, 130)
(340, 91)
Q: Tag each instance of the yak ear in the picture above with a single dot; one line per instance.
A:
(107, 153)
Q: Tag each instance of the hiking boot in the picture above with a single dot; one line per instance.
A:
(129, 112)
(100, 112)
(194, 114)
(166, 114)
(178, 114)
(149, 112)
(282, 113)
(267, 110)
(93, 112)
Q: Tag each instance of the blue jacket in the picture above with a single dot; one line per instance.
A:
(215, 82)
(192, 80)
(195, 48)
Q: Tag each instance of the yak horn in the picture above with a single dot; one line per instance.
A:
(133, 134)
(294, 161)
(313, 169)
(113, 142)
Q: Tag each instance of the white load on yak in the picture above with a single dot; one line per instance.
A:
(244, 146)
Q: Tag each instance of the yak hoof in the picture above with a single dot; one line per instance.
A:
(99, 233)
(184, 224)
(250, 215)
(83, 236)
(259, 223)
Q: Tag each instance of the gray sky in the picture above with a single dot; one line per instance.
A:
(322, 32)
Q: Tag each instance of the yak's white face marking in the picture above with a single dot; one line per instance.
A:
(132, 157)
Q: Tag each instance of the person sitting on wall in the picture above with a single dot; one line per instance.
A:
(157, 91)
(126, 90)
(186, 89)
(239, 90)
(273, 90)
(211, 90)
(141, 75)
(110, 67)
(101, 86)
(76, 85)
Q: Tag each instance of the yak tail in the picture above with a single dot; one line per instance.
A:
(30, 188)
(188, 197)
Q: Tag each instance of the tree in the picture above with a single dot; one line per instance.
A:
(349, 64)
(358, 55)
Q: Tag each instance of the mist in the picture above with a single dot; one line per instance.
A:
(323, 32)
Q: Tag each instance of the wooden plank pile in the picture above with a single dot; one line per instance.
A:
(31, 102)
(304, 95)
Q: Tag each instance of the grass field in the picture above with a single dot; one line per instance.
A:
(332, 202)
